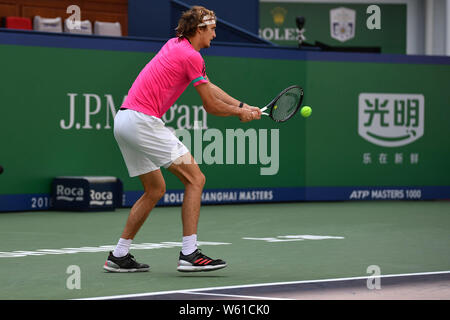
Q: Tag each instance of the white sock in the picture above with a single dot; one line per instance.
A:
(122, 248)
(189, 244)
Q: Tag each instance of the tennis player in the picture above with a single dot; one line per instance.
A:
(147, 145)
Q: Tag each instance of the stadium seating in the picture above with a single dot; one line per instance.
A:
(58, 25)
(47, 24)
(107, 28)
(85, 27)
(17, 23)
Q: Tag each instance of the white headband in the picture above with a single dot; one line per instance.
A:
(207, 20)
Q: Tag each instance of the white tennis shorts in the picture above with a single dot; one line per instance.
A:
(146, 144)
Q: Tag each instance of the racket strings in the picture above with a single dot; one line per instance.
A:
(287, 104)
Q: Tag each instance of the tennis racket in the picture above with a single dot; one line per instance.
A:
(285, 105)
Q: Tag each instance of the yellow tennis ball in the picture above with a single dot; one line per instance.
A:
(306, 111)
(275, 107)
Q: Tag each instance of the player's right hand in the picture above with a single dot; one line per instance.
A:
(255, 113)
(247, 115)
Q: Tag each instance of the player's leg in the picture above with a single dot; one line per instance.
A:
(154, 188)
(191, 259)
(187, 170)
(120, 260)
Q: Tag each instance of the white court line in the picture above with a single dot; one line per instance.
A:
(234, 296)
(261, 285)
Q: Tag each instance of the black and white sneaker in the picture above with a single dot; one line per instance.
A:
(124, 264)
(197, 261)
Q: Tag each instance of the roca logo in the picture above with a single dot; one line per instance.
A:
(101, 198)
(69, 193)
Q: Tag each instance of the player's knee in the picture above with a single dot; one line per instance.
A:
(155, 193)
(159, 192)
(200, 180)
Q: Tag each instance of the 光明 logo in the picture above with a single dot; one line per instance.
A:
(391, 120)
(342, 24)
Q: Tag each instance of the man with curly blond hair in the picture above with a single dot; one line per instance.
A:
(146, 144)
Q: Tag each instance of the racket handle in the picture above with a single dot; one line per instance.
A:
(264, 109)
(265, 113)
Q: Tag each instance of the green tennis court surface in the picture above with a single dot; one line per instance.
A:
(262, 243)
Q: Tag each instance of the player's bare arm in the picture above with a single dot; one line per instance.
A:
(225, 97)
(222, 95)
(225, 107)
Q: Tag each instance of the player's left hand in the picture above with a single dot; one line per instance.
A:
(256, 112)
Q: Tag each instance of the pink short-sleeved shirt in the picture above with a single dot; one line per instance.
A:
(165, 78)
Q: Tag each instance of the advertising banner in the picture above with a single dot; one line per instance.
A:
(378, 126)
(58, 107)
(334, 24)
(379, 129)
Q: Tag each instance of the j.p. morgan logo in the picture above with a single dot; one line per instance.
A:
(76, 194)
(391, 120)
